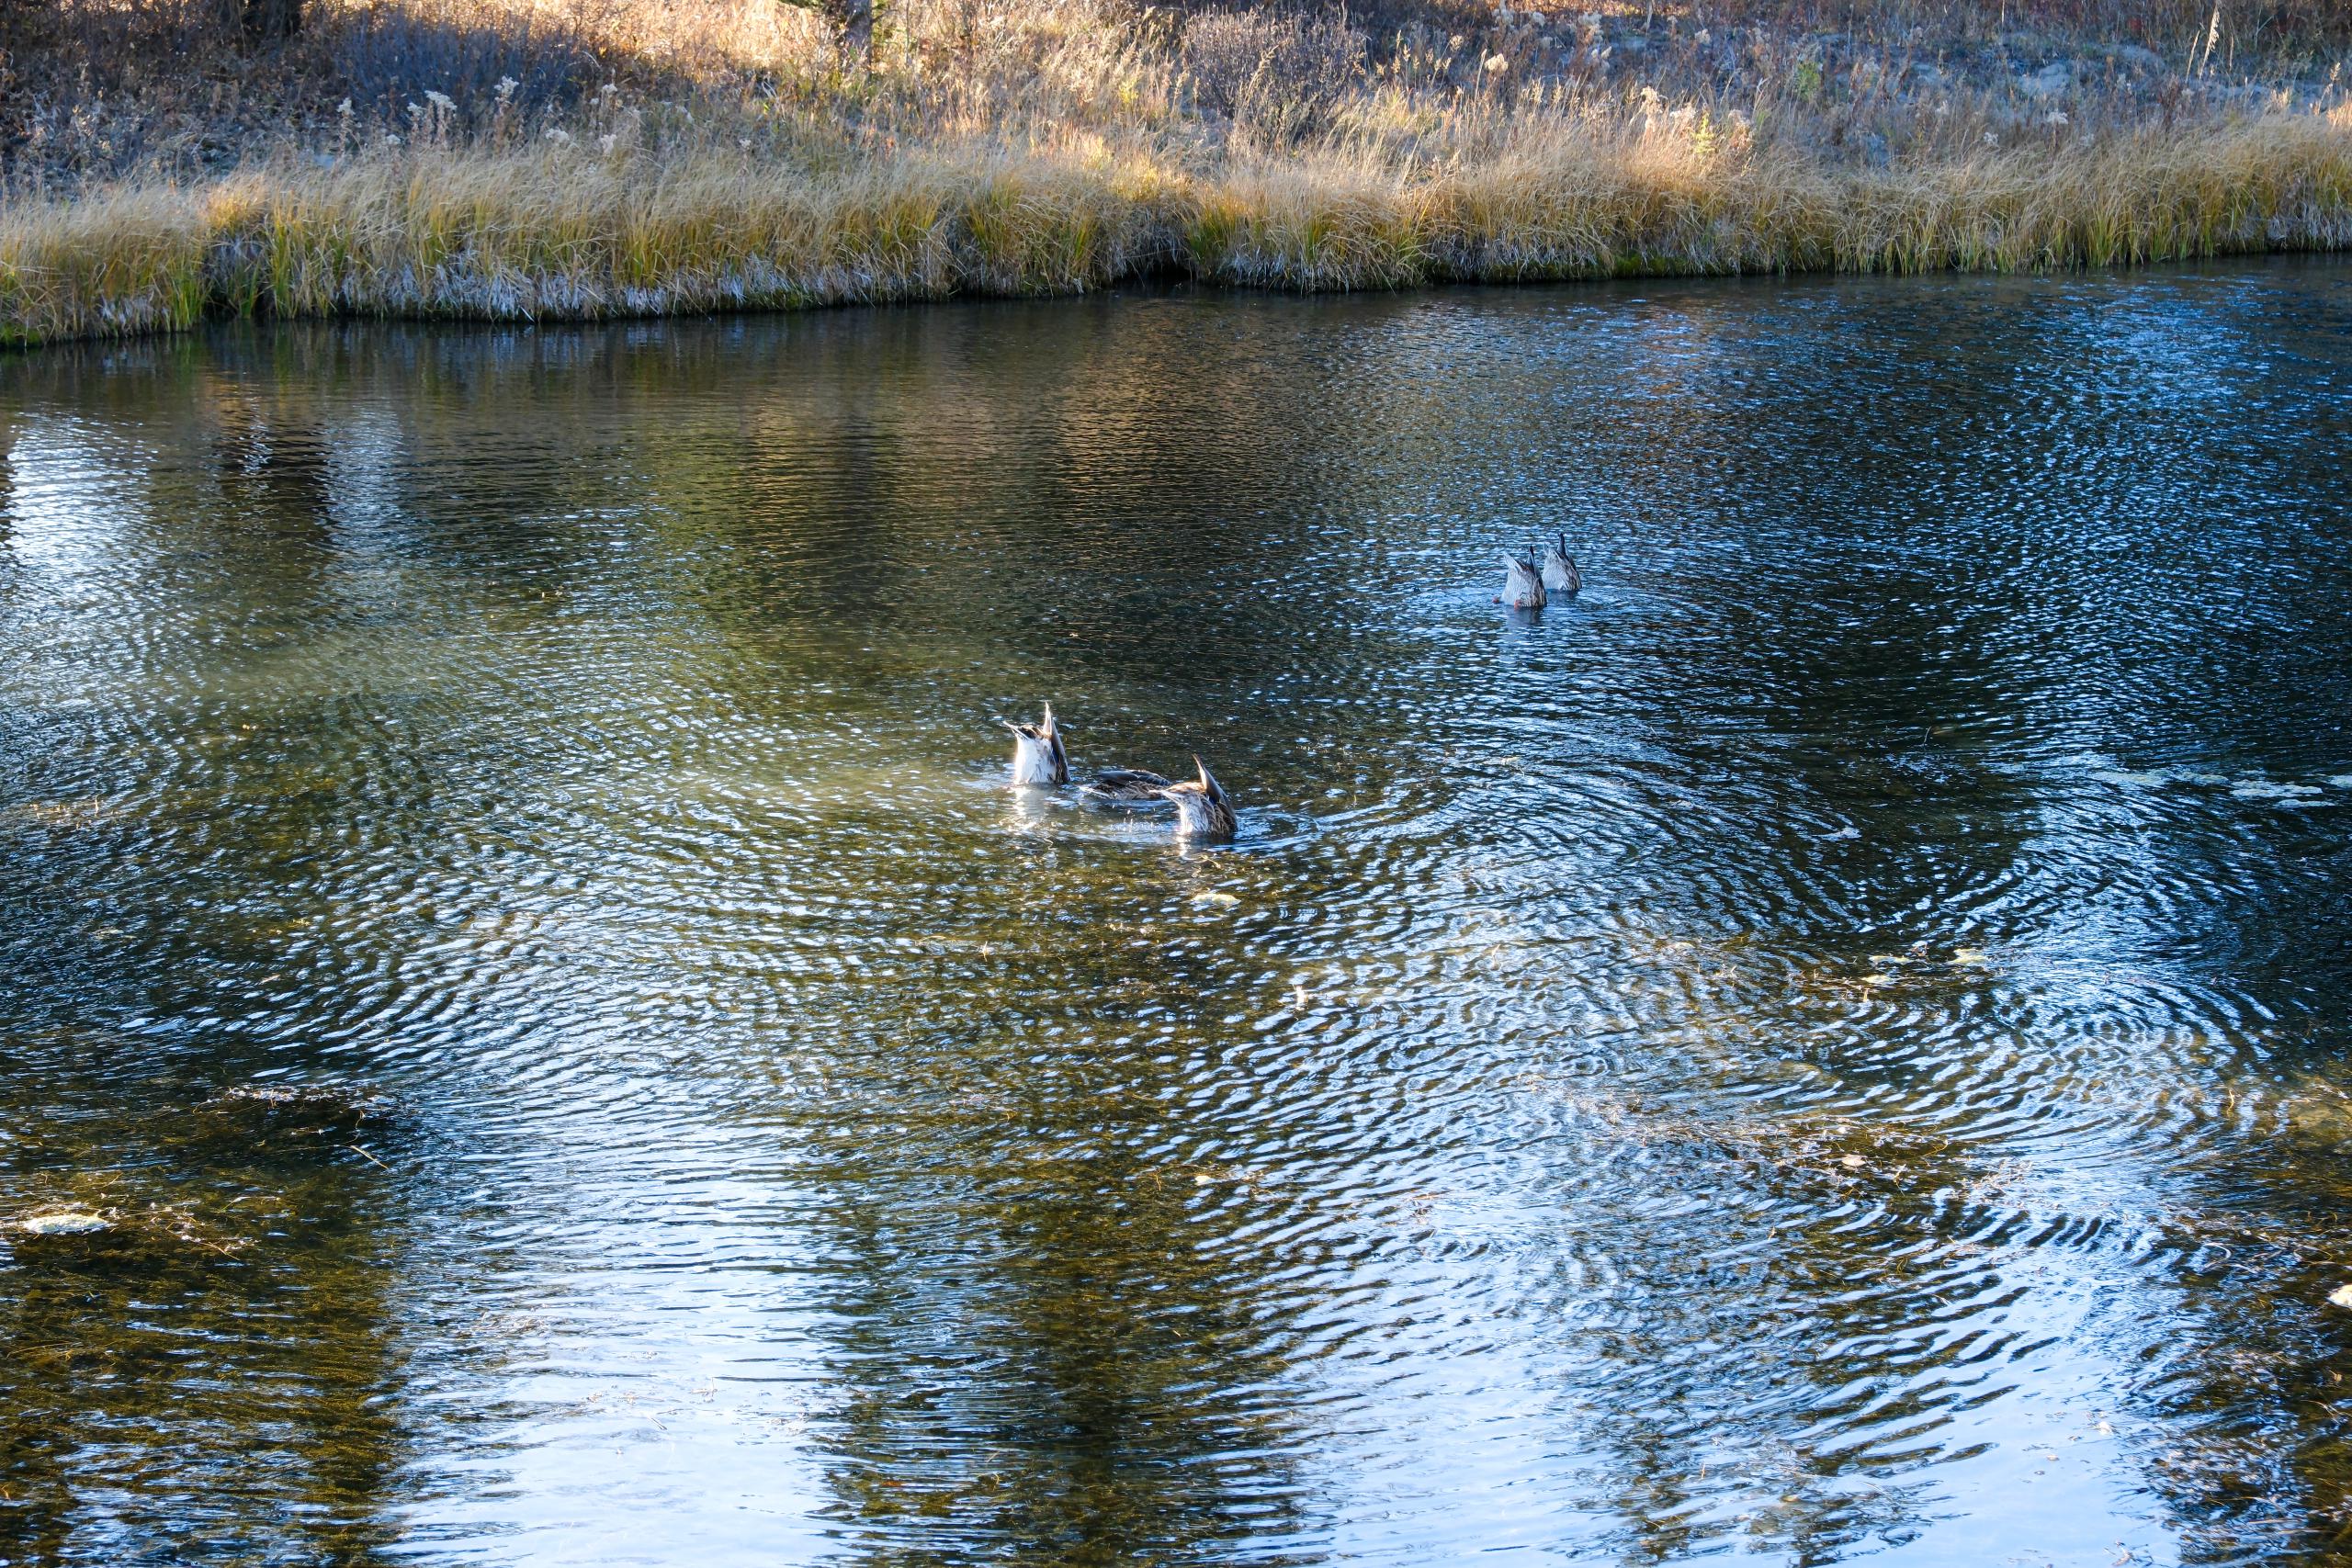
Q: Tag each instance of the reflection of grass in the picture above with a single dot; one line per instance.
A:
(1069, 146)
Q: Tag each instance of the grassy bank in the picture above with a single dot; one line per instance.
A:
(1074, 146)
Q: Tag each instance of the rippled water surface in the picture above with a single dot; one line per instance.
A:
(1831, 1044)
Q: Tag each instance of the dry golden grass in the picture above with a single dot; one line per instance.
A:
(1070, 146)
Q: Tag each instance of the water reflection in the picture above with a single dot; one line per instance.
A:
(217, 1364)
(1830, 1044)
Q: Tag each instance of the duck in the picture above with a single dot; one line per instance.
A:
(1037, 755)
(1522, 582)
(1125, 786)
(1203, 811)
(1040, 758)
(1560, 573)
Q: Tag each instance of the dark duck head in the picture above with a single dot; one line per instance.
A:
(1203, 811)
(1037, 755)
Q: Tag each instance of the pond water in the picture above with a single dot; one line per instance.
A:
(1832, 1043)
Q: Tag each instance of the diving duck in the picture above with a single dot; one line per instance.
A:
(1560, 574)
(1202, 810)
(1037, 755)
(1522, 584)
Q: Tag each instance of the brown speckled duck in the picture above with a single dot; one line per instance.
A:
(1203, 811)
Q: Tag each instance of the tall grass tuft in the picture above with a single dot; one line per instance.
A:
(118, 264)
